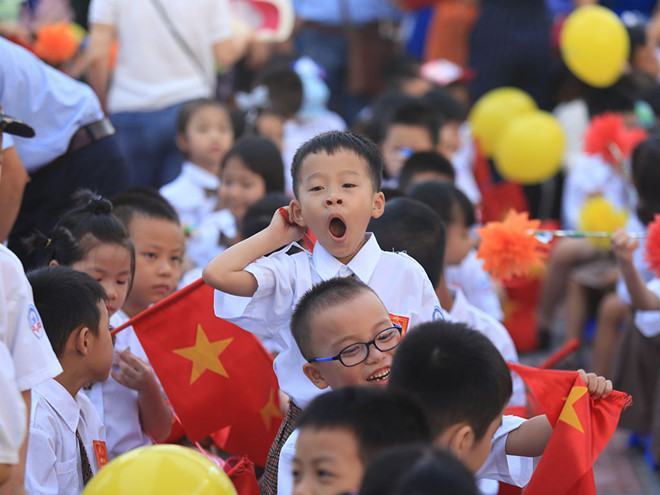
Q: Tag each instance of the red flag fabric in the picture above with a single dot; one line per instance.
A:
(582, 426)
(215, 374)
(241, 473)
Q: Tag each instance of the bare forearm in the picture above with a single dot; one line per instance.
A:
(530, 439)
(98, 75)
(12, 184)
(155, 415)
(640, 296)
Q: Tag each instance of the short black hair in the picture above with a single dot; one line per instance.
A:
(377, 417)
(456, 373)
(646, 178)
(143, 201)
(258, 216)
(262, 157)
(415, 470)
(424, 161)
(66, 300)
(333, 141)
(285, 88)
(445, 199)
(620, 97)
(415, 112)
(411, 226)
(333, 292)
(189, 109)
(444, 103)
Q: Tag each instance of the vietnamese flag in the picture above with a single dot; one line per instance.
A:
(582, 426)
(215, 374)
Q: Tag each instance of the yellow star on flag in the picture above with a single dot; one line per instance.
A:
(205, 355)
(568, 414)
(270, 411)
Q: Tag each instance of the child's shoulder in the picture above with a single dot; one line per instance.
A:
(402, 261)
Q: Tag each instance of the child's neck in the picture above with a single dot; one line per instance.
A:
(346, 260)
(73, 378)
(131, 308)
(445, 296)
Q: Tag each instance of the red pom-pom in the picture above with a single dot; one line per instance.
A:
(653, 245)
(509, 248)
(608, 137)
(56, 43)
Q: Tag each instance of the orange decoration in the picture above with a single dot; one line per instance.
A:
(608, 137)
(56, 43)
(653, 245)
(509, 248)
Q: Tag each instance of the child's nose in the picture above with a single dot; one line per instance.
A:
(333, 198)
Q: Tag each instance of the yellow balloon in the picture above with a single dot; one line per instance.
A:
(161, 470)
(494, 111)
(595, 45)
(531, 149)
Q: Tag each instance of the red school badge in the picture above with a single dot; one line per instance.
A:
(402, 321)
(101, 453)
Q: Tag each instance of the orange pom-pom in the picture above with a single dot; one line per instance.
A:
(608, 137)
(56, 43)
(653, 245)
(509, 248)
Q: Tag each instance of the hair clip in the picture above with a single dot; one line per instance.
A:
(49, 241)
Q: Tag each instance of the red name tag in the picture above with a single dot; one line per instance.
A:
(101, 453)
(402, 321)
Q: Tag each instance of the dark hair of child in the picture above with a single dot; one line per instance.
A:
(412, 227)
(145, 202)
(377, 417)
(646, 178)
(417, 470)
(620, 98)
(333, 292)
(334, 141)
(91, 222)
(638, 39)
(425, 161)
(262, 157)
(66, 300)
(455, 372)
(258, 216)
(371, 122)
(443, 103)
(416, 113)
(189, 109)
(446, 200)
(285, 89)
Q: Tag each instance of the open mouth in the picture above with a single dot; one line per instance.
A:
(381, 375)
(337, 228)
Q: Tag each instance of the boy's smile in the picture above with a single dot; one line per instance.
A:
(336, 200)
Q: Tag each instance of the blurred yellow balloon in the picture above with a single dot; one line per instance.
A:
(595, 45)
(160, 470)
(531, 149)
(598, 214)
(494, 111)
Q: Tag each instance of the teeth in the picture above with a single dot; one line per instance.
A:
(379, 376)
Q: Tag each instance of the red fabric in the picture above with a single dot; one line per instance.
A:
(241, 473)
(238, 390)
(582, 426)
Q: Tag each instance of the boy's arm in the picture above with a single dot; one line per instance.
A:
(40, 473)
(640, 296)
(226, 272)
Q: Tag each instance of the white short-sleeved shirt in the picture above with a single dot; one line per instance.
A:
(53, 463)
(117, 405)
(400, 282)
(648, 322)
(12, 412)
(463, 162)
(206, 241)
(54, 104)
(154, 71)
(634, 225)
(466, 313)
(193, 194)
(21, 328)
(476, 284)
(499, 466)
(7, 141)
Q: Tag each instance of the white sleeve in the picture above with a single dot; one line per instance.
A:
(7, 141)
(499, 466)
(41, 464)
(221, 14)
(648, 322)
(12, 412)
(104, 12)
(285, 465)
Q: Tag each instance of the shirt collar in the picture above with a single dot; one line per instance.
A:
(460, 303)
(362, 265)
(61, 401)
(199, 176)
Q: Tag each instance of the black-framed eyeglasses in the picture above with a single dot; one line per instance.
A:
(354, 354)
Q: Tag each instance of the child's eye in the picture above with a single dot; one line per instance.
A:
(325, 474)
(315, 188)
(349, 185)
(177, 259)
(351, 351)
(150, 255)
(122, 282)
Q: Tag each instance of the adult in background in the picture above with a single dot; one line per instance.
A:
(74, 145)
(168, 50)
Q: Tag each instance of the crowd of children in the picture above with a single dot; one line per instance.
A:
(352, 257)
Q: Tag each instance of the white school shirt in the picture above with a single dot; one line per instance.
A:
(188, 194)
(53, 458)
(399, 281)
(117, 405)
(648, 322)
(499, 466)
(205, 243)
(466, 313)
(634, 225)
(476, 284)
(463, 162)
(12, 412)
(21, 328)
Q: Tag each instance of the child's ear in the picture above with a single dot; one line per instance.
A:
(378, 206)
(82, 338)
(459, 439)
(315, 376)
(295, 213)
(53, 263)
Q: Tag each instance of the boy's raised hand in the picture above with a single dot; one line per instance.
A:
(133, 372)
(599, 387)
(623, 246)
(283, 229)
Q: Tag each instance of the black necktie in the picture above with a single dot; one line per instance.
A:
(84, 461)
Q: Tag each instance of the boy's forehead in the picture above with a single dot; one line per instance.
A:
(340, 160)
